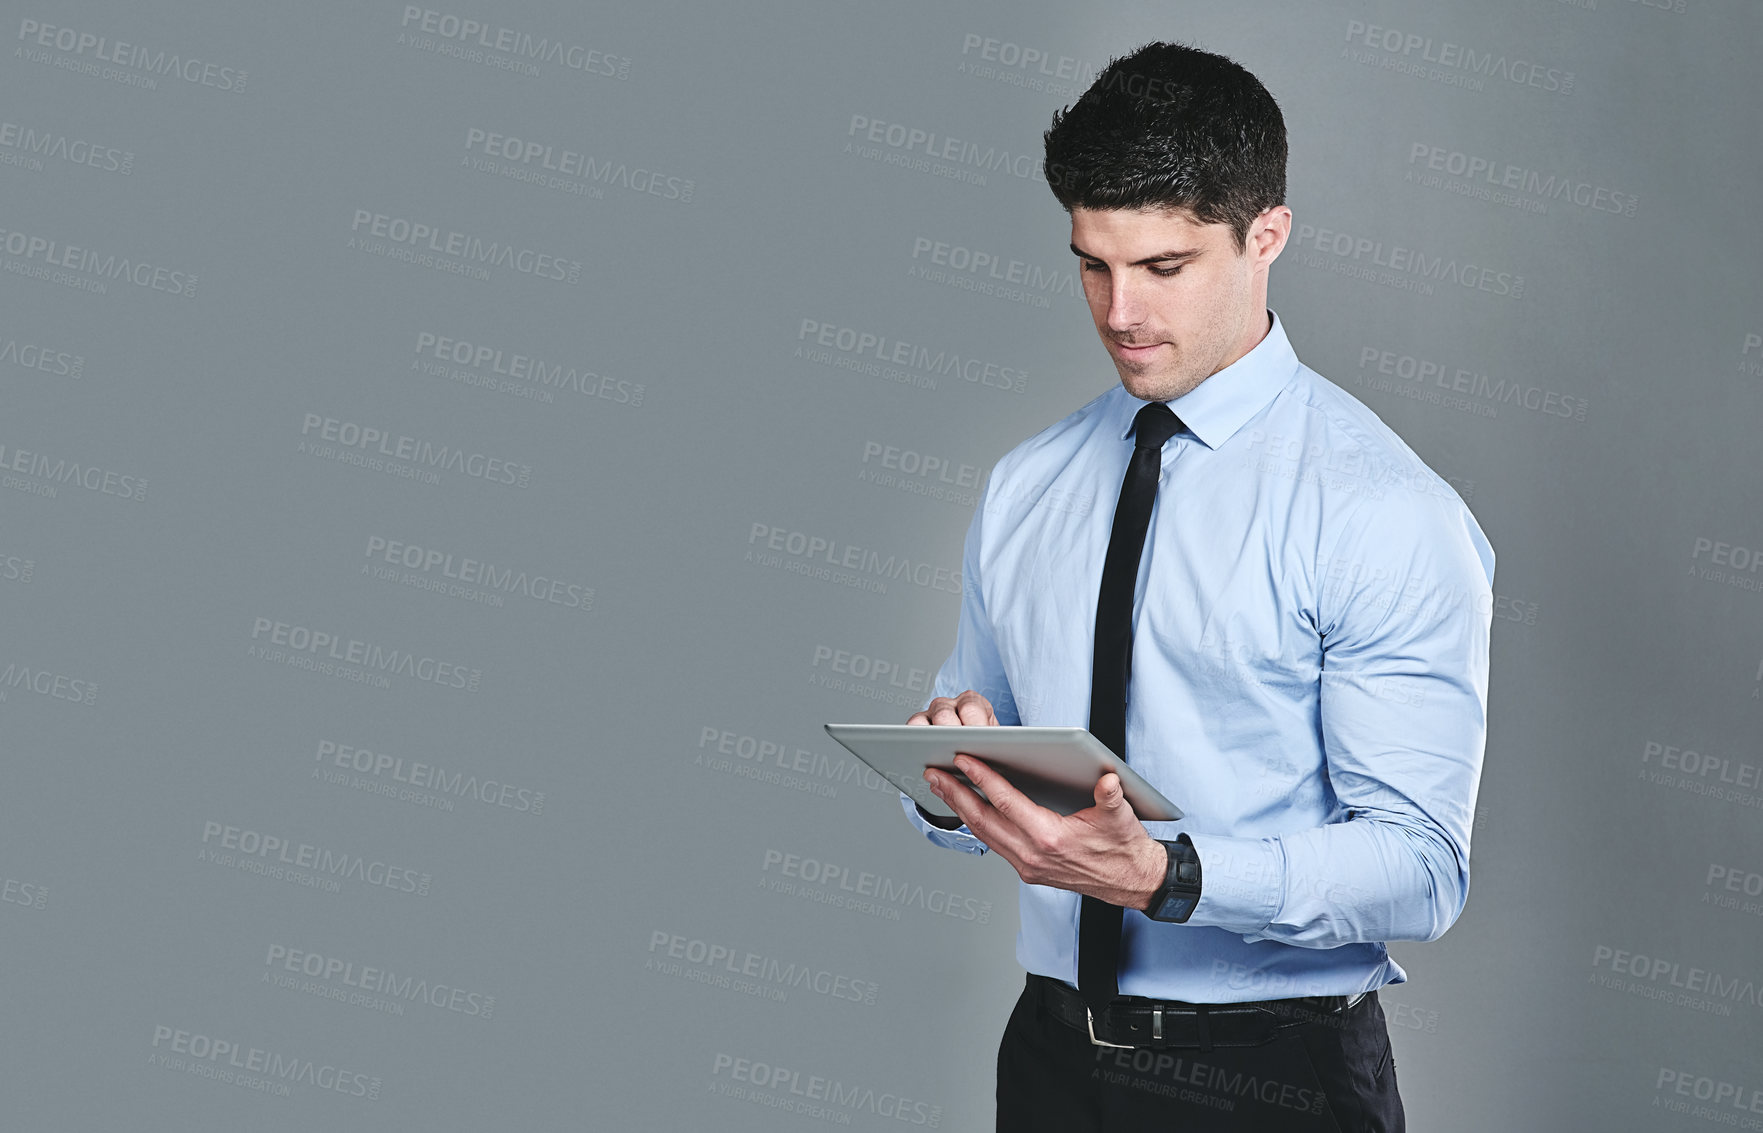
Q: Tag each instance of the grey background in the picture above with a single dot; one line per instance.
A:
(139, 706)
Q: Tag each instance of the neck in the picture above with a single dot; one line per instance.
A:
(1253, 333)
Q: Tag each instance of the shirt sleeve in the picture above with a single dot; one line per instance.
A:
(1404, 606)
(974, 664)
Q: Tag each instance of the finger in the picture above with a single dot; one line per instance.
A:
(975, 710)
(1111, 809)
(987, 824)
(918, 718)
(948, 785)
(1021, 810)
(942, 711)
(956, 795)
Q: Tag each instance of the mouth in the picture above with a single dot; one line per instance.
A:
(1132, 353)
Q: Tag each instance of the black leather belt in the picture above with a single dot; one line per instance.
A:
(1130, 1021)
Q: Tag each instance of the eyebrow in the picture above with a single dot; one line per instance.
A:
(1192, 253)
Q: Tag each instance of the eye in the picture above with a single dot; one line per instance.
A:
(1166, 272)
(1094, 265)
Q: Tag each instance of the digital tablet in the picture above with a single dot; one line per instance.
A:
(1056, 767)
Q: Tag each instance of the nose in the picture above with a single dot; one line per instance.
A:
(1125, 310)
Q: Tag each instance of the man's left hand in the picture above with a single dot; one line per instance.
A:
(1101, 850)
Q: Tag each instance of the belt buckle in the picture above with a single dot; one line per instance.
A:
(1090, 1018)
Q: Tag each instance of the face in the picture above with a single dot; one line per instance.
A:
(1174, 300)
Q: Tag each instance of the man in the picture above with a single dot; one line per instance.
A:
(1297, 658)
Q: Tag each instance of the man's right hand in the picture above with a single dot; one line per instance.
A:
(969, 708)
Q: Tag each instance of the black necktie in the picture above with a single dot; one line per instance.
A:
(1098, 937)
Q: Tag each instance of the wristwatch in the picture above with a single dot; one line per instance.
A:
(1181, 885)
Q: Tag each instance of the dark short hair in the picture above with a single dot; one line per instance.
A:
(1168, 127)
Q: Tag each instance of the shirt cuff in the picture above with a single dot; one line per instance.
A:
(1241, 880)
(961, 839)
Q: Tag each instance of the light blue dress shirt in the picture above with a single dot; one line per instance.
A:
(1309, 674)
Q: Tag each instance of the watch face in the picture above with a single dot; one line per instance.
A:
(1175, 908)
(1181, 886)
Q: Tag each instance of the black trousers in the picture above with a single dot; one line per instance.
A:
(1333, 1074)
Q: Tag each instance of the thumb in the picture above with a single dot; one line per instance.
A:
(1109, 794)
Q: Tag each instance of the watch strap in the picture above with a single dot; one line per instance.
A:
(1176, 900)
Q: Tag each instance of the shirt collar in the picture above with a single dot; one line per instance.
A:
(1216, 408)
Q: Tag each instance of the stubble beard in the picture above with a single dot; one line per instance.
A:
(1165, 380)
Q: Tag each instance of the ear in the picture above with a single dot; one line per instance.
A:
(1268, 234)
